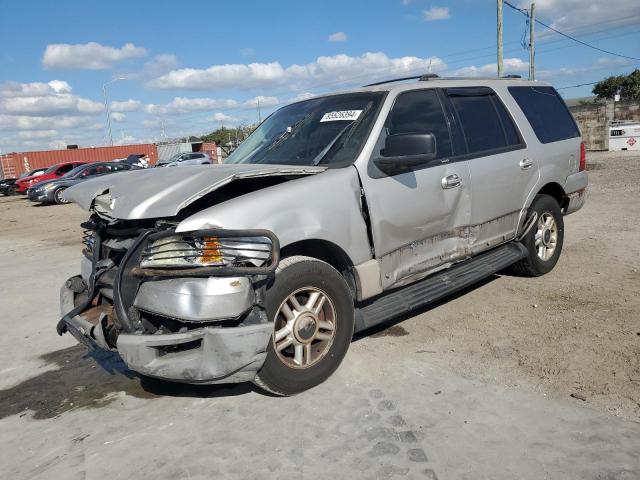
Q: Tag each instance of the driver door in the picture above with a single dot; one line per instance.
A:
(419, 215)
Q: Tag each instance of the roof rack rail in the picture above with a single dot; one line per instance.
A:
(422, 78)
(433, 76)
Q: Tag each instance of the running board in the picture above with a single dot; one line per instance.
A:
(437, 286)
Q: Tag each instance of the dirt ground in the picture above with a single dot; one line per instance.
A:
(573, 334)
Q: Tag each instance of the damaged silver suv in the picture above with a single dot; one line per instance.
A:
(338, 213)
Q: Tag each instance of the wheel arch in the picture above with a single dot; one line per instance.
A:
(556, 191)
(326, 251)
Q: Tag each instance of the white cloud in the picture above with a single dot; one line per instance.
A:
(159, 65)
(37, 134)
(262, 101)
(186, 105)
(57, 145)
(338, 37)
(580, 16)
(44, 99)
(436, 13)
(24, 122)
(302, 96)
(88, 56)
(511, 65)
(118, 117)
(223, 118)
(325, 71)
(126, 106)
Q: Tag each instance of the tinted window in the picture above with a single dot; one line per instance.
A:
(64, 169)
(480, 121)
(118, 167)
(547, 113)
(420, 111)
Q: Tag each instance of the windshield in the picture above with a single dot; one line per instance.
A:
(51, 169)
(74, 171)
(173, 158)
(326, 130)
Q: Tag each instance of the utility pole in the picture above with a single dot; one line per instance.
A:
(106, 105)
(163, 136)
(258, 108)
(532, 49)
(500, 72)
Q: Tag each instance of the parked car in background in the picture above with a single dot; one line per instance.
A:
(51, 191)
(138, 160)
(51, 173)
(186, 158)
(8, 185)
(336, 214)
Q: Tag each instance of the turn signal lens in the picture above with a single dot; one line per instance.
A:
(211, 251)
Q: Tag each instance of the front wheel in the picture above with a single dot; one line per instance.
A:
(313, 316)
(544, 240)
(57, 196)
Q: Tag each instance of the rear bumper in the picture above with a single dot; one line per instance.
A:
(577, 188)
(210, 354)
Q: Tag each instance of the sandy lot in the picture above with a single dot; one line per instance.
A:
(477, 386)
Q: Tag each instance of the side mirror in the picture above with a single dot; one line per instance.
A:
(405, 150)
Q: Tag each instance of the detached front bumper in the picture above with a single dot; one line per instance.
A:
(210, 354)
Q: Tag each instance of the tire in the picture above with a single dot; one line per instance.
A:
(286, 372)
(12, 190)
(541, 238)
(57, 196)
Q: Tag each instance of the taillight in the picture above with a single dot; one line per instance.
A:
(583, 158)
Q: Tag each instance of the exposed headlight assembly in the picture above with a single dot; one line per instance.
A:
(239, 251)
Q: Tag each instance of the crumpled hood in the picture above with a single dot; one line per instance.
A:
(163, 192)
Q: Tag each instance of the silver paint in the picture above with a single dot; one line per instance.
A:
(196, 299)
(163, 192)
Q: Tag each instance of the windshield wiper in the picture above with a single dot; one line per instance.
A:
(289, 132)
(350, 128)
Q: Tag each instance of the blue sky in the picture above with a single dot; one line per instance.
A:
(194, 65)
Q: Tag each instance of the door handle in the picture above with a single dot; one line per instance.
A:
(526, 164)
(451, 181)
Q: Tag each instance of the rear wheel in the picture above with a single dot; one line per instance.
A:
(57, 196)
(544, 240)
(313, 314)
(12, 190)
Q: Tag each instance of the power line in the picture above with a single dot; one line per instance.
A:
(576, 86)
(524, 12)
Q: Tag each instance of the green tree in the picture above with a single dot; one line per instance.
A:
(608, 87)
(631, 86)
(628, 86)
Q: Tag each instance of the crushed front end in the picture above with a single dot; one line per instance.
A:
(186, 307)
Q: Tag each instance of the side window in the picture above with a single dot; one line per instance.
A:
(89, 172)
(547, 113)
(64, 169)
(484, 121)
(420, 111)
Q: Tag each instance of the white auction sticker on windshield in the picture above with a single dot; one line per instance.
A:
(348, 115)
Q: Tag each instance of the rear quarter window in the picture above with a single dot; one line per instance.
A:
(546, 112)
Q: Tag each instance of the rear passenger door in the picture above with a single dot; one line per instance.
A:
(502, 174)
(418, 215)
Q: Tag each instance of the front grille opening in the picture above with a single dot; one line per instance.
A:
(178, 348)
(173, 325)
